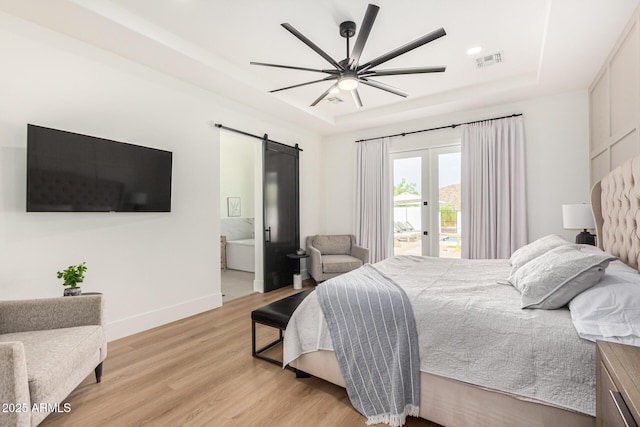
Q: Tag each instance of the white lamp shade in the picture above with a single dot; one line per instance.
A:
(577, 217)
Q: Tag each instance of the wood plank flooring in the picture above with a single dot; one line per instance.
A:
(199, 372)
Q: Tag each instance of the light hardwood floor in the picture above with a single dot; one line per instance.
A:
(199, 372)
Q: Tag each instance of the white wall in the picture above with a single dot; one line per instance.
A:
(152, 267)
(557, 161)
(615, 104)
(237, 172)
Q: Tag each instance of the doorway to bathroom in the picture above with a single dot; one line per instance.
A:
(239, 174)
(259, 212)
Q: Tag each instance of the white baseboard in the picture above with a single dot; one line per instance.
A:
(151, 319)
(258, 286)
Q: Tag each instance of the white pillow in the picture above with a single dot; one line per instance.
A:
(535, 249)
(611, 309)
(551, 280)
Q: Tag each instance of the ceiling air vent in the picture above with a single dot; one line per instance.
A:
(334, 100)
(488, 60)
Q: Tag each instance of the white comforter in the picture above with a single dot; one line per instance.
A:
(472, 329)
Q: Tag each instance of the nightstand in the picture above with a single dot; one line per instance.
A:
(617, 385)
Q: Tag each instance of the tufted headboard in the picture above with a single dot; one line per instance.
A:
(615, 201)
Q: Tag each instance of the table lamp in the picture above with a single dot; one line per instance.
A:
(579, 217)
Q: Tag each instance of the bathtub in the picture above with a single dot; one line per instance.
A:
(241, 254)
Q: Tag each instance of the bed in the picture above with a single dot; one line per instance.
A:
(455, 396)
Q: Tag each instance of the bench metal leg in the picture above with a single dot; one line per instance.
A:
(257, 353)
(253, 338)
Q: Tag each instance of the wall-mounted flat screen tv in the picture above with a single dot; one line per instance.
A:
(69, 172)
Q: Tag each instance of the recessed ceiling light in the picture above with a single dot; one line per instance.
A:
(474, 50)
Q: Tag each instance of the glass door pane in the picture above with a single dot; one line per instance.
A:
(426, 202)
(449, 207)
(407, 205)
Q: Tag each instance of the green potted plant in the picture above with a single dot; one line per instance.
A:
(72, 275)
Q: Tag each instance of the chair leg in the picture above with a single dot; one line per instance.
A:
(98, 372)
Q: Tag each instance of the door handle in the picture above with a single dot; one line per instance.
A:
(268, 231)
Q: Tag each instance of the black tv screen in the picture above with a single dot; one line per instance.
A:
(69, 172)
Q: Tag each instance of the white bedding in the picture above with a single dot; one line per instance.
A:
(610, 310)
(472, 329)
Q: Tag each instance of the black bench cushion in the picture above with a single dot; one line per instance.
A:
(278, 313)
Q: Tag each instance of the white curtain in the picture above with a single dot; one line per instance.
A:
(373, 198)
(494, 220)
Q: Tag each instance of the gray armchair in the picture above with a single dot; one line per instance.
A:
(47, 348)
(331, 256)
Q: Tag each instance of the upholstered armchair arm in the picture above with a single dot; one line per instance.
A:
(50, 313)
(315, 269)
(360, 253)
(14, 386)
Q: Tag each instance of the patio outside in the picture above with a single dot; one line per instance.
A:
(407, 235)
(408, 205)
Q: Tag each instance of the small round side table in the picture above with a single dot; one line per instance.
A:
(297, 278)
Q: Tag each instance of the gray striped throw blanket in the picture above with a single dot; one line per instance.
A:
(374, 336)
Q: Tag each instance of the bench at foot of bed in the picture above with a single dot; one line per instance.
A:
(275, 315)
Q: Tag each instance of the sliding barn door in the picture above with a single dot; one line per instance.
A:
(281, 213)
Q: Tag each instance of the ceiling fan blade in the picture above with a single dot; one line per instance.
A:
(404, 49)
(398, 71)
(312, 45)
(304, 84)
(321, 97)
(382, 86)
(356, 98)
(363, 35)
(294, 68)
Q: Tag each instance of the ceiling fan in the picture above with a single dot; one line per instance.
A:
(348, 73)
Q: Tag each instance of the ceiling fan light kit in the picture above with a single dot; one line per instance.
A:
(348, 83)
(348, 74)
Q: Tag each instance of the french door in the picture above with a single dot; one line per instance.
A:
(426, 202)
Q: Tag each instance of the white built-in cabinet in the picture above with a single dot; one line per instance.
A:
(614, 104)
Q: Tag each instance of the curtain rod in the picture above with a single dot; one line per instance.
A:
(453, 126)
(263, 138)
